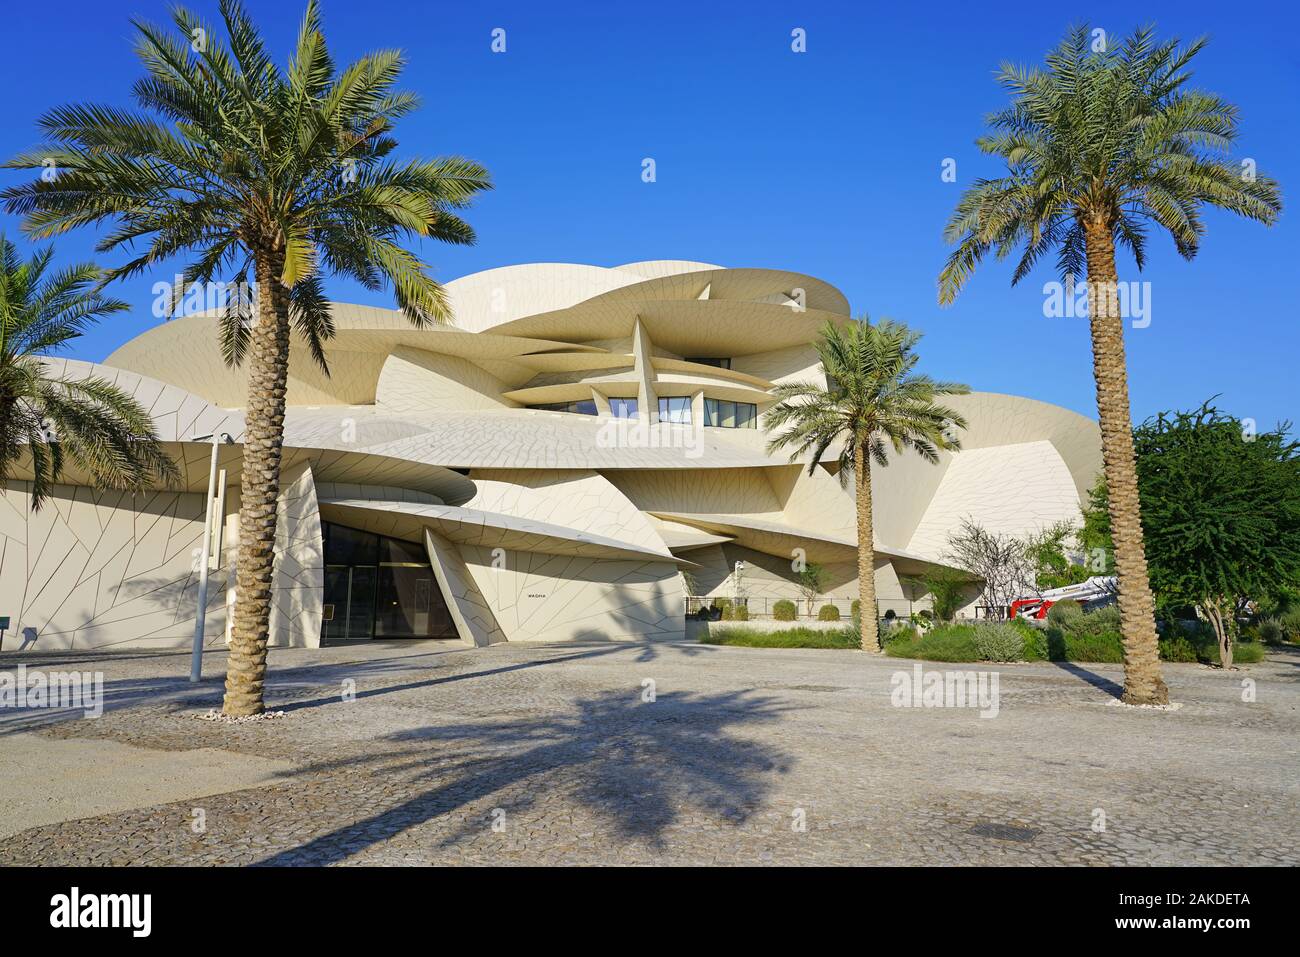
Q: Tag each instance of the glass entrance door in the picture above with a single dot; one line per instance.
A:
(378, 587)
(350, 600)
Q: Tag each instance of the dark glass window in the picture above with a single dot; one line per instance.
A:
(581, 407)
(725, 414)
(349, 546)
(718, 363)
(379, 587)
(397, 552)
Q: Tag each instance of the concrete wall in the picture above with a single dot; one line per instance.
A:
(100, 569)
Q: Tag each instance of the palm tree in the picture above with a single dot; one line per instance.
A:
(873, 399)
(1098, 145)
(50, 418)
(247, 167)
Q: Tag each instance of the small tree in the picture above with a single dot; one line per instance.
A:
(812, 582)
(946, 588)
(1221, 511)
(873, 400)
(1003, 562)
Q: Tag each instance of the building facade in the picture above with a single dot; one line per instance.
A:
(581, 452)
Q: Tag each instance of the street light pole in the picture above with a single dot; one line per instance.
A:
(201, 612)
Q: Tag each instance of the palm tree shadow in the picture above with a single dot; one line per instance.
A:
(1097, 681)
(637, 764)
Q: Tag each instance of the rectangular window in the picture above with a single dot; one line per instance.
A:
(675, 409)
(581, 407)
(725, 414)
(622, 408)
(717, 363)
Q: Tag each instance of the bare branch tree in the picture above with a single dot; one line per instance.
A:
(1005, 563)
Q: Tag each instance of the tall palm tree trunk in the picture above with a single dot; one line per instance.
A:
(1142, 681)
(869, 624)
(268, 366)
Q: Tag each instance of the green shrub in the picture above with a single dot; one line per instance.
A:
(1270, 631)
(828, 613)
(1064, 611)
(855, 609)
(1035, 641)
(740, 613)
(943, 643)
(787, 638)
(998, 641)
(1177, 648)
(1290, 622)
(784, 610)
(899, 633)
(1103, 621)
(1106, 647)
(1248, 654)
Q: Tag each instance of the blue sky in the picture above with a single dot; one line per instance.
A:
(827, 162)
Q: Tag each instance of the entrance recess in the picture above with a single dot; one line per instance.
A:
(379, 587)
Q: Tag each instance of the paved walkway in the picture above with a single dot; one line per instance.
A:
(551, 754)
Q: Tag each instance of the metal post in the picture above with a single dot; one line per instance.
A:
(201, 612)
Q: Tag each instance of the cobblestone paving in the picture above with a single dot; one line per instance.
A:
(550, 754)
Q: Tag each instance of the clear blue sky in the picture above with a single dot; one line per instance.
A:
(826, 162)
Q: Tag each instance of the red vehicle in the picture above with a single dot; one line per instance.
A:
(1095, 589)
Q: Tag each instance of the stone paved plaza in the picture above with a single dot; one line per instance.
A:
(551, 754)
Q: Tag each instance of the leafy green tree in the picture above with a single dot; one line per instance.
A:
(873, 399)
(1098, 146)
(1048, 550)
(279, 174)
(1094, 535)
(947, 587)
(47, 419)
(1221, 510)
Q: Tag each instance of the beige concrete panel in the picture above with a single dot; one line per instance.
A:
(298, 585)
(103, 569)
(185, 352)
(330, 491)
(745, 284)
(1009, 489)
(796, 363)
(675, 383)
(416, 380)
(901, 492)
(656, 268)
(496, 296)
(475, 622)
(709, 375)
(576, 499)
(680, 537)
(552, 597)
(815, 501)
(685, 327)
(995, 419)
(700, 491)
(647, 395)
(465, 526)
